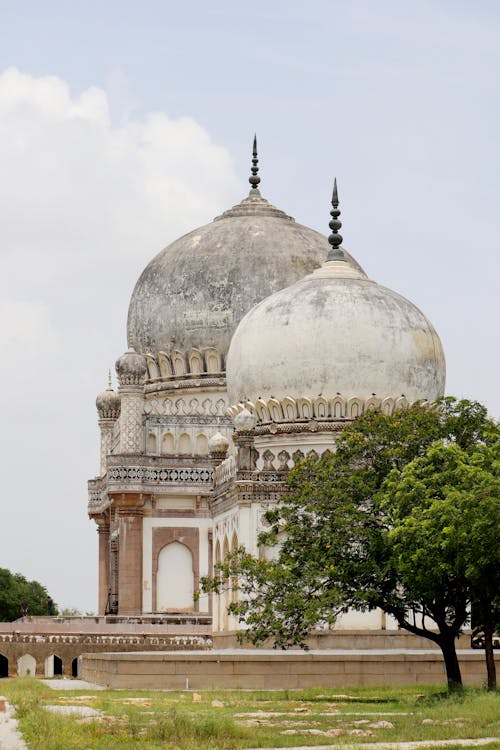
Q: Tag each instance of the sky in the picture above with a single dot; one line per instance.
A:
(124, 125)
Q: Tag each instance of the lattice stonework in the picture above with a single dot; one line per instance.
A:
(150, 475)
(131, 427)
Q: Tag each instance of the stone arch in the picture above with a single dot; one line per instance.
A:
(201, 445)
(305, 408)
(165, 365)
(75, 666)
(337, 407)
(185, 443)
(212, 360)
(151, 442)
(289, 407)
(4, 666)
(372, 404)
(320, 407)
(26, 665)
(195, 359)
(178, 363)
(175, 578)
(153, 369)
(387, 405)
(167, 444)
(53, 666)
(275, 410)
(262, 410)
(355, 407)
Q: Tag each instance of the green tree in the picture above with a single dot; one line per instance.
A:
(340, 539)
(15, 590)
(444, 535)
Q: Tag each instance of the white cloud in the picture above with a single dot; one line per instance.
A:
(85, 205)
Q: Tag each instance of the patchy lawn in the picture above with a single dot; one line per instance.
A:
(226, 720)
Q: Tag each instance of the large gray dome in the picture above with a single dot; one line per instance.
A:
(194, 292)
(335, 332)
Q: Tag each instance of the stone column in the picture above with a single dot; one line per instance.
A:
(108, 408)
(130, 556)
(104, 564)
(132, 438)
(131, 369)
(106, 428)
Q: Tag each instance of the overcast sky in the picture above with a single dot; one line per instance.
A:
(125, 124)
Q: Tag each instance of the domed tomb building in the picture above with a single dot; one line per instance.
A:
(152, 498)
(194, 452)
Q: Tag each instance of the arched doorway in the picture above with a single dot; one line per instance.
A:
(4, 666)
(175, 578)
(53, 666)
(26, 665)
(75, 671)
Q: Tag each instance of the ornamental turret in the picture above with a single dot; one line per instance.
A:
(131, 369)
(108, 409)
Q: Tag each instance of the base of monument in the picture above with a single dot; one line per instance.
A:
(271, 669)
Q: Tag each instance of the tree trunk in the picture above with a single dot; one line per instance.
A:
(453, 676)
(489, 655)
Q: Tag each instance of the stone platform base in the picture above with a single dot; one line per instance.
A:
(263, 669)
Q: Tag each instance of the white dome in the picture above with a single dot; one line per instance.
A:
(335, 332)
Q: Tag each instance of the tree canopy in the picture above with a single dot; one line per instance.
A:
(17, 593)
(404, 516)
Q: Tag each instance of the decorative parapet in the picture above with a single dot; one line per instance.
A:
(98, 499)
(303, 409)
(225, 471)
(135, 473)
(194, 364)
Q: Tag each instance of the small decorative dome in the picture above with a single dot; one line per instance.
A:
(244, 421)
(108, 404)
(194, 293)
(335, 332)
(218, 444)
(131, 368)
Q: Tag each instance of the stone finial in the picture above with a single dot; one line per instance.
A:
(108, 403)
(218, 445)
(244, 421)
(335, 239)
(254, 178)
(131, 368)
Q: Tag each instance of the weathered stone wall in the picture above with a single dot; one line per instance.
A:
(71, 646)
(277, 669)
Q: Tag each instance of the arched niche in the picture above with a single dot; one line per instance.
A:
(175, 578)
(167, 444)
(201, 445)
(26, 665)
(185, 444)
(4, 666)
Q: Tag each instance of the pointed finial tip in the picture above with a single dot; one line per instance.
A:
(254, 178)
(110, 385)
(335, 239)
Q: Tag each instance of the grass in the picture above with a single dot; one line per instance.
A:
(249, 719)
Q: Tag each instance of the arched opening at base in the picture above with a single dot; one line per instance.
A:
(74, 667)
(4, 666)
(58, 666)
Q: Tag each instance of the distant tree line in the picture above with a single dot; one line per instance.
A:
(19, 597)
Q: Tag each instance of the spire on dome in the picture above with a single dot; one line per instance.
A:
(254, 178)
(335, 239)
(110, 384)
